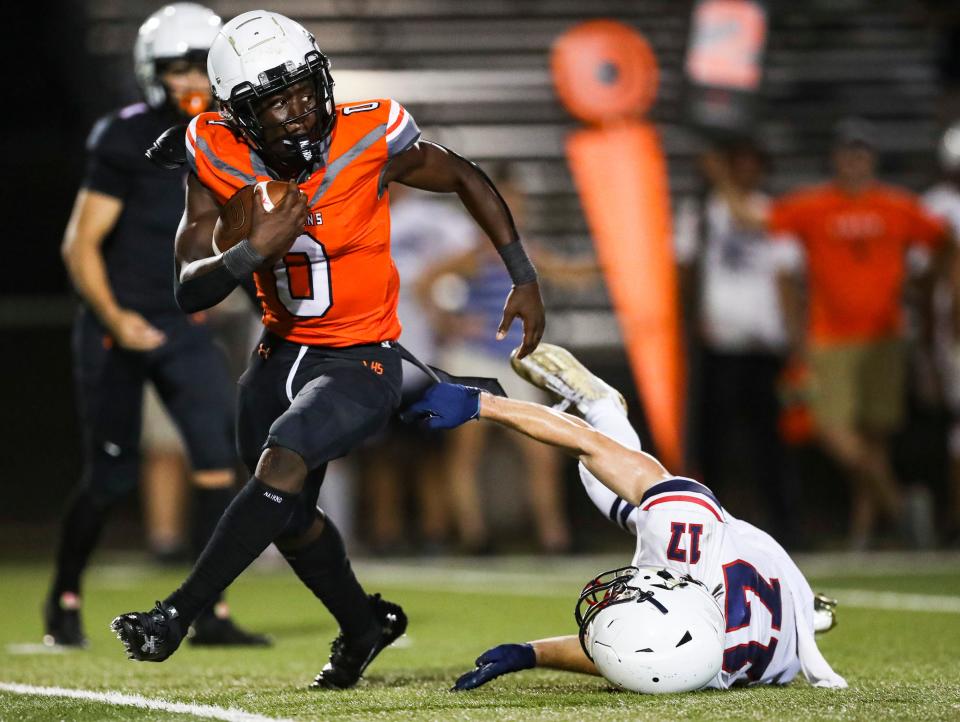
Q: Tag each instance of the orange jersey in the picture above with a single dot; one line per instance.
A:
(337, 285)
(855, 249)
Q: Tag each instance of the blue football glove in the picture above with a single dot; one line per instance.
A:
(444, 406)
(491, 664)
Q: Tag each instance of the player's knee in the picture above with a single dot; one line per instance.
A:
(282, 469)
(300, 532)
(214, 478)
(98, 498)
(112, 473)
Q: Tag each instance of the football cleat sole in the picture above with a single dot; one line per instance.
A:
(141, 637)
(123, 627)
(558, 372)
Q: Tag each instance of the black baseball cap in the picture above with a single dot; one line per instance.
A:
(855, 132)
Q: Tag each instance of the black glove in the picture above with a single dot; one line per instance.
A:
(169, 151)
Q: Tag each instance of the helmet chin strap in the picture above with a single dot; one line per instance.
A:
(290, 155)
(300, 145)
(296, 154)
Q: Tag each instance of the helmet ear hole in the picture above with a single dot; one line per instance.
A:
(686, 638)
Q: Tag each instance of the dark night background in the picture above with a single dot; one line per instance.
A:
(54, 88)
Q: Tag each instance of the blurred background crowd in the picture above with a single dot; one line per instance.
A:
(814, 220)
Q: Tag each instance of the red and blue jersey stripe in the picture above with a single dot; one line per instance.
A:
(620, 512)
(682, 490)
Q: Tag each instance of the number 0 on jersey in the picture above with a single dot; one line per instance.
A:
(303, 279)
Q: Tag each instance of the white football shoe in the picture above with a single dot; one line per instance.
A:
(824, 613)
(556, 370)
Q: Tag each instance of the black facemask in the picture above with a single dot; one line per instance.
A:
(296, 152)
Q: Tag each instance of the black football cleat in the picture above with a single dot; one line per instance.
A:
(149, 636)
(347, 662)
(213, 631)
(61, 622)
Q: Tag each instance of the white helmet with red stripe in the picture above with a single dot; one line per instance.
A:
(650, 630)
(258, 54)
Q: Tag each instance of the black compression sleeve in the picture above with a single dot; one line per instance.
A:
(202, 292)
(249, 287)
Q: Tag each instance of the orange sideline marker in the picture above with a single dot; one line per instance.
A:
(606, 74)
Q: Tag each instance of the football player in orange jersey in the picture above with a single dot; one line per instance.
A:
(327, 372)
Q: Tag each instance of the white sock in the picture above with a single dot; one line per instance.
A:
(608, 417)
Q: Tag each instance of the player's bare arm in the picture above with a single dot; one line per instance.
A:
(563, 653)
(93, 217)
(629, 473)
(431, 167)
(626, 472)
(203, 277)
(792, 300)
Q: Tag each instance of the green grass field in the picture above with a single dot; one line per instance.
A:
(901, 664)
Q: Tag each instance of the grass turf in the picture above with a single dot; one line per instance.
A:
(901, 665)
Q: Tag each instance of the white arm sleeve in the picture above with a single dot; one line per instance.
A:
(607, 417)
(622, 513)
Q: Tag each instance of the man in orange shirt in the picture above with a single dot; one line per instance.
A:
(326, 374)
(847, 240)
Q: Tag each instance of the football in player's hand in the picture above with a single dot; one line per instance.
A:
(236, 216)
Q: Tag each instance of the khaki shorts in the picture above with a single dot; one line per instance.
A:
(859, 385)
(159, 433)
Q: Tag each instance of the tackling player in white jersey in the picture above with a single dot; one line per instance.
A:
(710, 601)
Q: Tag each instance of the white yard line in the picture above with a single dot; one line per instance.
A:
(876, 564)
(38, 648)
(205, 711)
(128, 571)
(898, 601)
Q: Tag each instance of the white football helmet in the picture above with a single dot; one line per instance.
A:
(180, 30)
(260, 53)
(650, 630)
(949, 149)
